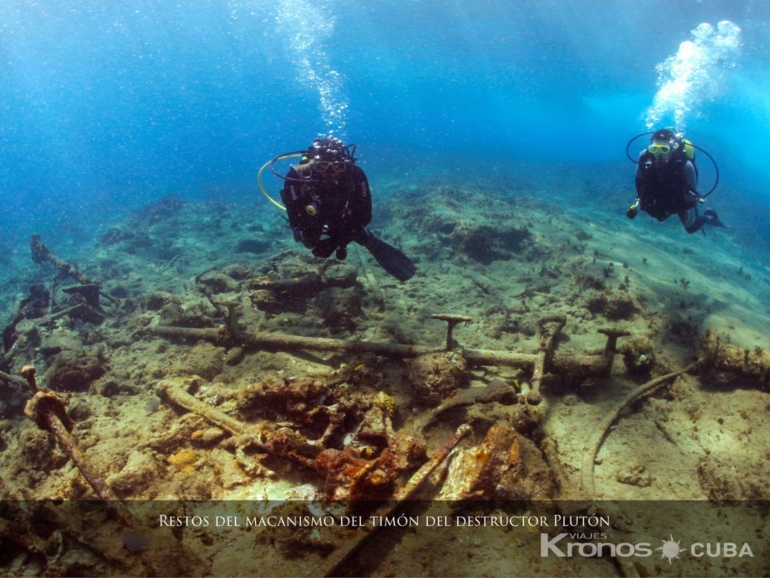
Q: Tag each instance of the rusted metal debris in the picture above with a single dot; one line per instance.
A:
(266, 340)
(47, 410)
(174, 390)
(335, 560)
(346, 475)
(42, 254)
(576, 367)
(13, 379)
(28, 372)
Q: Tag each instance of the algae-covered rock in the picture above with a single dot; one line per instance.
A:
(204, 359)
(74, 371)
(136, 476)
(156, 300)
(194, 311)
(217, 282)
(436, 376)
(339, 307)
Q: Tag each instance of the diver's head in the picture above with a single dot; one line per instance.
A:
(662, 145)
(331, 156)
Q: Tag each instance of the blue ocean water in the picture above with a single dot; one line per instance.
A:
(107, 106)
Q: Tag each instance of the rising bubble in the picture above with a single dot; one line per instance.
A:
(305, 26)
(695, 74)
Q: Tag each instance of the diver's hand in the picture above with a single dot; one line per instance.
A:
(633, 209)
(325, 248)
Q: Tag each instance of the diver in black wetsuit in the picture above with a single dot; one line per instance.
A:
(667, 182)
(329, 205)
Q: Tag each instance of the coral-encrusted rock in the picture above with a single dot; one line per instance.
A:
(192, 312)
(619, 306)
(485, 243)
(436, 376)
(74, 372)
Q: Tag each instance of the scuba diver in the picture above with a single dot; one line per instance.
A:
(667, 181)
(329, 204)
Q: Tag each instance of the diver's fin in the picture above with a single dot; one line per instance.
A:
(714, 219)
(390, 258)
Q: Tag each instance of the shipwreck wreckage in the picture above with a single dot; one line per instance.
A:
(348, 439)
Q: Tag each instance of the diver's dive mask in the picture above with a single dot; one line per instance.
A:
(659, 149)
(323, 166)
(308, 167)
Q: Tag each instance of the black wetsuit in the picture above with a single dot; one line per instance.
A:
(668, 188)
(342, 204)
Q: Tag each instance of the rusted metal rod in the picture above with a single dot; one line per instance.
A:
(173, 390)
(28, 373)
(221, 335)
(42, 254)
(550, 327)
(589, 456)
(546, 358)
(451, 320)
(46, 409)
(282, 443)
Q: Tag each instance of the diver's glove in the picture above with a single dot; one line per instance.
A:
(325, 248)
(633, 209)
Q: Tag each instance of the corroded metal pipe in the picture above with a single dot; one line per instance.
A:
(550, 327)
(46, 409)
(265, 340)
(173, 390)
(597, 363)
